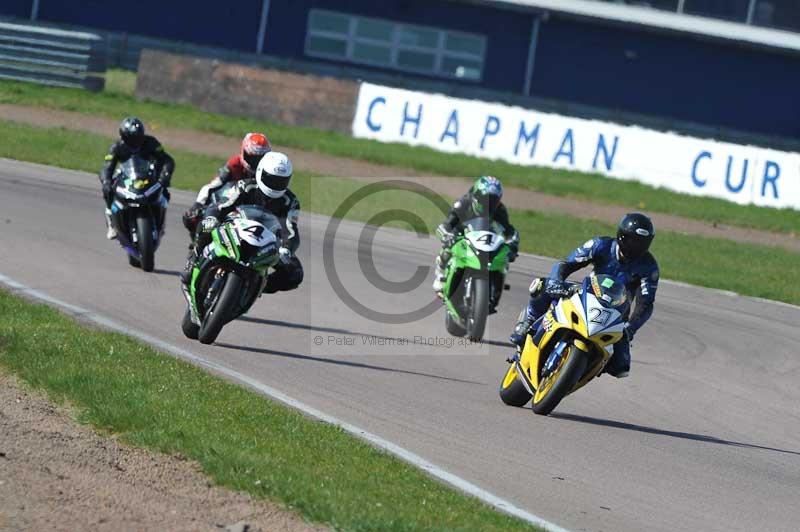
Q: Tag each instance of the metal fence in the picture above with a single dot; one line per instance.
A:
(52, 57)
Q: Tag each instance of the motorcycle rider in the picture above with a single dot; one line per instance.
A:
(269, 189)
(133, 140)
(238, 167)
(483, 200)
(625, 257)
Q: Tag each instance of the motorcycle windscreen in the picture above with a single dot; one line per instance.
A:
(137, 168)
(259, 214)
(479, 224)
(609, 291)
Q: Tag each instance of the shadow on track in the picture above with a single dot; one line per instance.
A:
(662, 432)
(167, 272)
(347, 363)
(304, 326)
(332, 330)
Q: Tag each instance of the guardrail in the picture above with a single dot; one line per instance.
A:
(52, 57)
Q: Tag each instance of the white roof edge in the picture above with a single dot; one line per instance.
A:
(44, 30)
(734, 31)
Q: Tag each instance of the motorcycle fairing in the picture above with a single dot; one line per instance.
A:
(577, 318)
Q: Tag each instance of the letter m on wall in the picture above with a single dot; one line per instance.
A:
(527, 137)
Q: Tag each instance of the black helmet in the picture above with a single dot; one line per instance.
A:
(486, 195)
(634, 235)
(131, 131)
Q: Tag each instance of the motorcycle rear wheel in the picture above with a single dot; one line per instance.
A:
(512, 390)
(452, 325)
(217, 316)
(190, 329)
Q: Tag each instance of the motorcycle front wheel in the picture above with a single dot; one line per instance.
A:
(479, 309)
(144, 230)
(224, 306)
(560, 382)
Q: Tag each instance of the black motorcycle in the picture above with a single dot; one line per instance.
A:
(138, 210)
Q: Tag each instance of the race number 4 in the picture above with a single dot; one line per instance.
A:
(253, 233)
(255, 230)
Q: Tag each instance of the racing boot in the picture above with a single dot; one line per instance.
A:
(111, 233)
(186, 274)
(619, 365)
(438, 277)
(522, 327)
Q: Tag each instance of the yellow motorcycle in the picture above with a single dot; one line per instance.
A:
(569, 345)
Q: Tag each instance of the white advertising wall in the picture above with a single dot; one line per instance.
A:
(743, 174)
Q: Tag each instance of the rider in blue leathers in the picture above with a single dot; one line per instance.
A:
(626, 258)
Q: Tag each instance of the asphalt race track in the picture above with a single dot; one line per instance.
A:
(704, 435)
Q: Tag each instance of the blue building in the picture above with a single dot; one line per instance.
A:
(712, 65)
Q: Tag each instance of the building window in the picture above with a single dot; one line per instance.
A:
(735, 10)
(383, 43)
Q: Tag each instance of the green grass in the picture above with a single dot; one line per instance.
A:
(242, 440)
(748, 269)
(85, 151)
(120, 82)
(117, 102)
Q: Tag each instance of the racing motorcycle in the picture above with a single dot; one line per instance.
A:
(138, 210)
(569, 345)
(232, 271)
(474, 278)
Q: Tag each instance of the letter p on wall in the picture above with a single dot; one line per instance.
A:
(491, 129)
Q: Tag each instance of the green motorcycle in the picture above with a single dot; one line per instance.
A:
(474, 278)
(232, 271)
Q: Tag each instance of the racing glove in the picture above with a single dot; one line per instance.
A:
(628, 330)
(513, 246)
(192, 216)
(208, 224)
(556, 288)
(445, 235)
(285, 255)
(165, 177)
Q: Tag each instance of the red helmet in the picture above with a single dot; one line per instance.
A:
(254, 147)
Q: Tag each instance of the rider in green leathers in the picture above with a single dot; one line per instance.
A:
(483, 200)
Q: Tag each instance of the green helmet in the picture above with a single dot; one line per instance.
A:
(486, 195)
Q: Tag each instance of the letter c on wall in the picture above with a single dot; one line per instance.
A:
(695, 179)
(370, 124)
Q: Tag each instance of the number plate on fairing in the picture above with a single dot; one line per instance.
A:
(484, 240)
(253, 233)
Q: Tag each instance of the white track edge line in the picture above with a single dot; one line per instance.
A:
(392, 448)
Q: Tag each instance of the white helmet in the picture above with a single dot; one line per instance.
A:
(273, 174)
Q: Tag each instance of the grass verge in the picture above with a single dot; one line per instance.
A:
(753, 270)
(242, 440)
(118, 100)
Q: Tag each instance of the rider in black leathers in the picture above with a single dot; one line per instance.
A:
(133, 140)
(269, 189)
